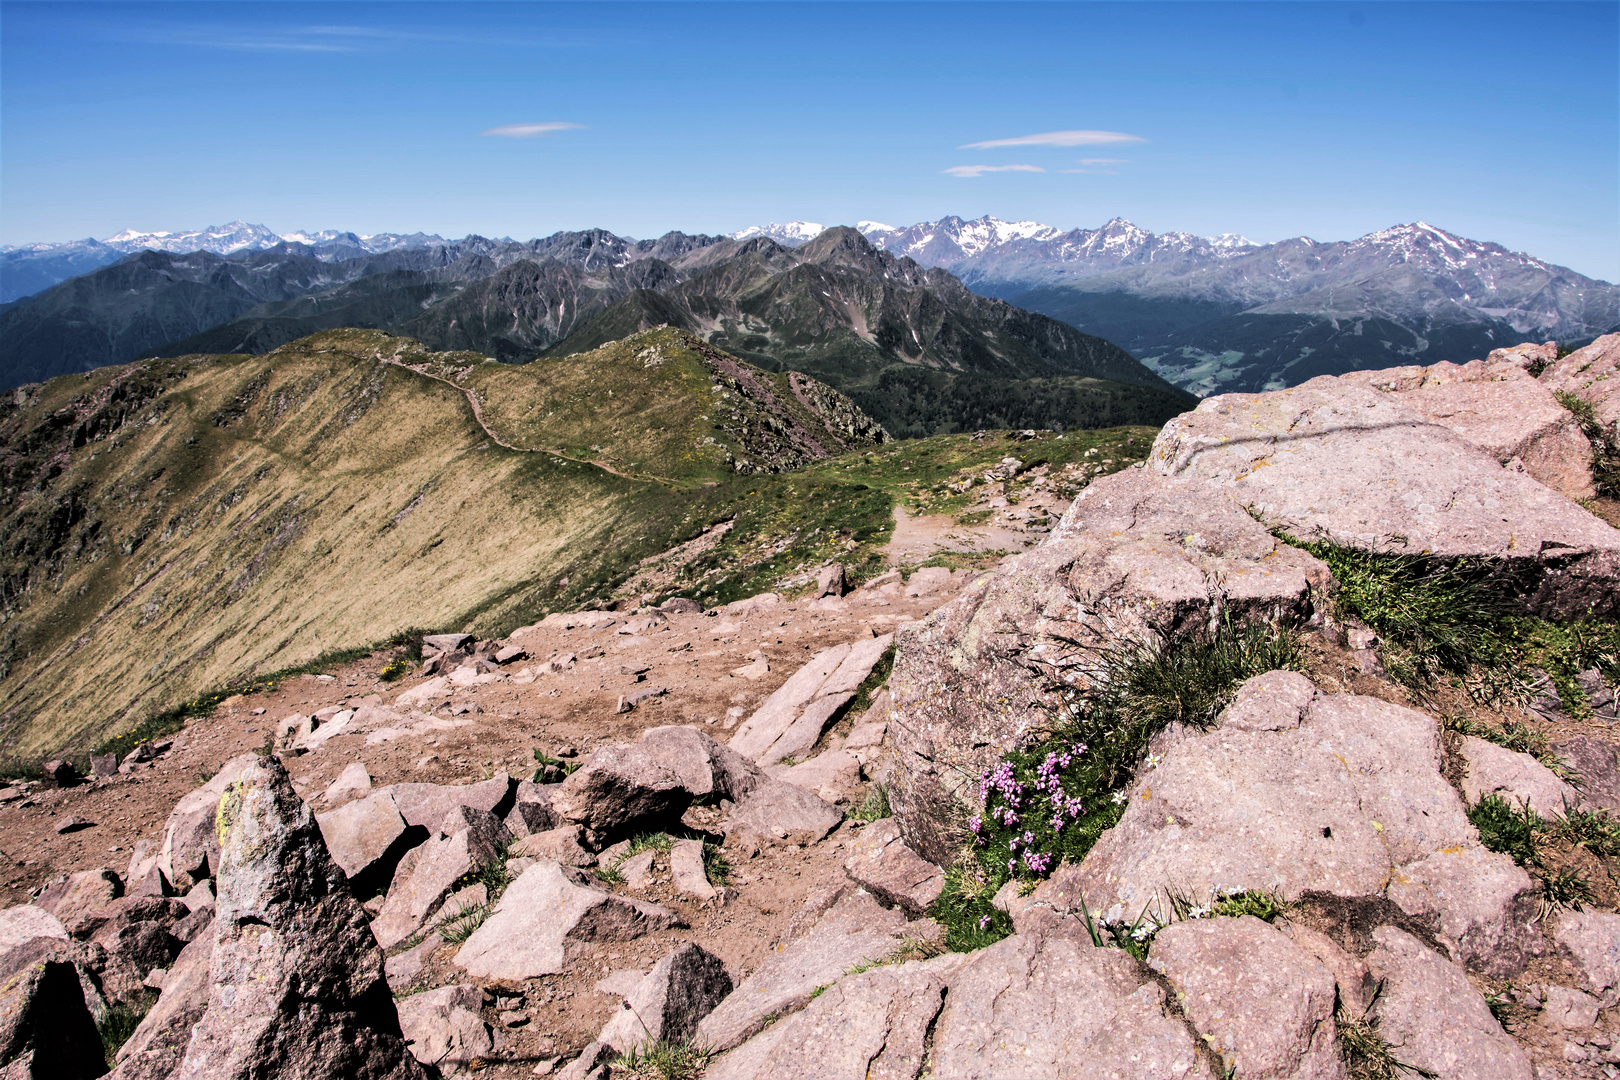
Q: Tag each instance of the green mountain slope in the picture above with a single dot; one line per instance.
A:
(174, 525)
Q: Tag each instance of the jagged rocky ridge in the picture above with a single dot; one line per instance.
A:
(1345, 807)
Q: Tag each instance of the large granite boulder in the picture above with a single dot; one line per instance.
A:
(296, 984)
(1334, 794)
(622, 786)
(1499, 407)
(1333, 460)
(1138, 554)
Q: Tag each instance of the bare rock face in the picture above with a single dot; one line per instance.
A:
(21, 924)
(46, 1032)
(853, 930)
(1052, 1005)
(872, 1025)
(361, 834)
(1597, 765)
(1329, 459)
(1593, 375)
(884, 865)
(1499, 407)
(793, 718)
(559, 845)
(686, 868)
(1593, 939)
(1517, 778)
(1439, 1022)
(1261, 1003)
(78, 895)
(1341, 796)
(543, 913)
(1136, 553)
(776, 810)
(443, 1025)
(669, 1001)
(297, 985)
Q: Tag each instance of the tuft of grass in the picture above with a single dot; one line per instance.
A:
(716, 867)
(662, 1060)
(120, 1023)
(873, 683)
(1594, 830)
(1366, 1054)
(875, 806)
(1249, 902)
(1605, 449)
(460, 926)
(1506, 830)
(1461, 618)
(964, 909)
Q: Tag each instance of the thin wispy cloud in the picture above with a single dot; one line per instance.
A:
(1058, 138)
(968, 172)
(1103, 161)
(531, 131)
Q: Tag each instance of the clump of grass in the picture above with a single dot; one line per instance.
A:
(662, 1060)
(1367, 1055)
(395, 670)
(460, 926)
(1605, 450)
(716, 867)
(1463, 619)
(1050, 802)
(1506, 830)
(1261, 905)
(875, 806)
(1594, 830)
(971, 921)
(120, 1023)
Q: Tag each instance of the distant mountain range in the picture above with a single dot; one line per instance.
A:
(27, 269)
(1225, 313)
(1209, 314)
(912, 346)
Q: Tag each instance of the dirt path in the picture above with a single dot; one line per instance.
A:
(478, 415)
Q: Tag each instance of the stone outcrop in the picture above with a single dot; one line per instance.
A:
(793, 718)
(467, 841)
(1332, 460)
(882, 863)
(155, 1049)
(667, 1004)
(1306, 793)
(1516, 777)
(1037, 1005)
(548, 909)
(652, 780)
(1499, 407)
(46, 1032)
(1436, 1019)
(853, 930)
(1134, 556)
(1593, 375)
(875, 1024)
(297, 985)
(1260, 1002)
(443, 1026)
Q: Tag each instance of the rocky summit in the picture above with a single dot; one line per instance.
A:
(1279, 744)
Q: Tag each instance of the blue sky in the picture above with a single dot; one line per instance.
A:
(1499, 121)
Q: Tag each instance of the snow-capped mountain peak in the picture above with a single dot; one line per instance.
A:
(790, 234)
